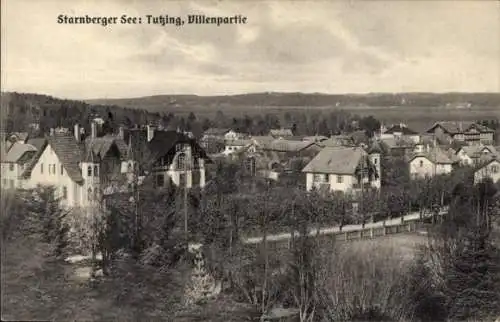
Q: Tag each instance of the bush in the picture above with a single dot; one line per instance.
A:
(367, 284)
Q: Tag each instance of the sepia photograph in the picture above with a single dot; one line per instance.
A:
(250, 160)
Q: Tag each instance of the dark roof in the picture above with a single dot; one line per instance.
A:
(36, 142)
(451, 127)
(336, 160)
(19, 153)
(398, 128)
(69, 152)
(101, 145)
(435, 155)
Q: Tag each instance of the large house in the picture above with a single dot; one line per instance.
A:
(346, 169)
(468, 132)
(489, 168)
(232, 146)
(472, 154)
(80, 170)
(399, 131)
(167, 155)
(430, 162)
(13, 162)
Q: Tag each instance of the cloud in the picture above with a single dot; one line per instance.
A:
(314, 46)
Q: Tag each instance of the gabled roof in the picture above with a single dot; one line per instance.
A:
(435, 155)
(487, 160)
(36, 142)
(452, 127)
(20, 153)
(481, 128)
(336, 160)
(398, 128)
(164, 141)
(281, 145)
(101, 145)
(69, 152)
(475, 151)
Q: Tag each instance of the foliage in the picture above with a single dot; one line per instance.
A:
(47, 218)
(462, 263)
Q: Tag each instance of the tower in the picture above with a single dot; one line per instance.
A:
(90, 167)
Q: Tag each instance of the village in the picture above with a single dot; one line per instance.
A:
(250, 161)
(82, 165)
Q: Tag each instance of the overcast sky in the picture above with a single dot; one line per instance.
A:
(309, 46)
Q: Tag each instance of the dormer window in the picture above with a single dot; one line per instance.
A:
(96, 171)
(89, 171)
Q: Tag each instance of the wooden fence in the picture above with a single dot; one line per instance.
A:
(413, 226)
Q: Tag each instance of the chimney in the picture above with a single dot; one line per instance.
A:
(121, 134)
(93, 130)
(151, 132)
(77, 132)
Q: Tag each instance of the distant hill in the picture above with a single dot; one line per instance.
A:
(19, 110)
(162, 103)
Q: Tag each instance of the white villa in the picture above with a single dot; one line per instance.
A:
(339, 169)
(489, 169)
(429, 163)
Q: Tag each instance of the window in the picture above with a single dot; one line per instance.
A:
(250, 166)
(340, 179)
(64, 192)
(96, 171)
(375, 160)
(318, 177)
(181, 161)
(178, 147)
(89, 171)
(89, 193)
(160, 180)
(421, 163)
(62, 169)
(11, 167)
(494, 169)
(41, 168)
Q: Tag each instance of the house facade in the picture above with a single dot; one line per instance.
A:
(469, 132)
(400, 131)
(232, 146)
(490, 169)
(346, 169)
(13, 163)
(471, 155)
(430, 163)
(79, 170)
(167, 155)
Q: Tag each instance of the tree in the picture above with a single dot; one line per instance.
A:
(462, 260)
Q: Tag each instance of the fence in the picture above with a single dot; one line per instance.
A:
(376, 230)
